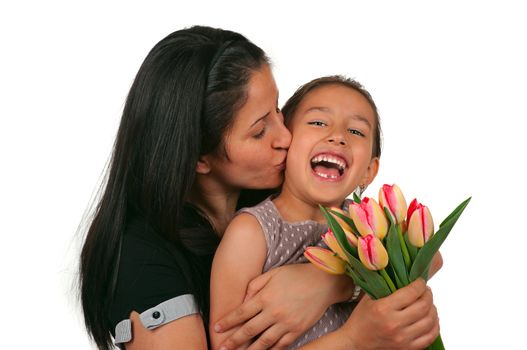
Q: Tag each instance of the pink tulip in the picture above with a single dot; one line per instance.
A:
(391, 197)
(369, 218)
(325, 260)
(372, 253)
(420, 224)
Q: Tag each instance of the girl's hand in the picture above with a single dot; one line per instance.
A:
(405, 320)
(282, 304)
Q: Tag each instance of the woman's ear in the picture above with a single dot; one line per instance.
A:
(371, 172)
(203, 167)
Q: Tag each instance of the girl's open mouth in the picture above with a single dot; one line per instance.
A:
(328, 166)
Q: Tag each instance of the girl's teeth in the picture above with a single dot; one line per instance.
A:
(326, 176)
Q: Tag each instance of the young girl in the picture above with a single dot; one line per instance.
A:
(335, 149)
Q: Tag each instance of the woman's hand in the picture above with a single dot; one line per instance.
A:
(282, 304)
(405, 320)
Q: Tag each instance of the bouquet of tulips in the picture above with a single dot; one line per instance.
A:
(382, 245)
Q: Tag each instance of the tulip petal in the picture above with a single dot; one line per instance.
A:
(420, 226)
(372, 253)
(360, 218)
(325, 260)
(391, 197)
(332, 243)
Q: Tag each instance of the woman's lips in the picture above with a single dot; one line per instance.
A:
(281, 166)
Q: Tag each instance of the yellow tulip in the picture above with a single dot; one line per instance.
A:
(325, 260)
(391, 197)
(372, 253)
(331, 241)
(369, 218)
(420, 224)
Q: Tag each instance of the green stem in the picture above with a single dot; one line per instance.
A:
(406, 255)
(437, 344)
(388, 280)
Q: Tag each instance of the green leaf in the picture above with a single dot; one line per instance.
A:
(395, 277)
(360, 282)
(395, 255)
(426, 253)
(347, 220)
(339, 233)
(375, 283)
(460, 207)
(356, 198)
(412, 250)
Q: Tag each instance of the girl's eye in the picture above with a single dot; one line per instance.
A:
(317, 123)
(260, 134)
(355, 132)
(278, 110)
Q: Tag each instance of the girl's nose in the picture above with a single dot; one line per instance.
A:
(337, 140)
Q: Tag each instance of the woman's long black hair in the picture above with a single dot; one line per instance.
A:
(182, 101)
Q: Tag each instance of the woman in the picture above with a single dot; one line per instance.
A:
(200, 124)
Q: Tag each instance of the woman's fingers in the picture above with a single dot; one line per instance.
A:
(424, 326)
(419, 309)
(241, 314)
(258, 283)
(406, 296)
(269, 339)
(427, 330)
(248, 331)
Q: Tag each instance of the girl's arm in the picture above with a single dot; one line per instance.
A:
(239, 259)
(291, 289)
(291, 297)
(185, 333)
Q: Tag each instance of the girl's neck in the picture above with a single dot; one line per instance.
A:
(216, 201)
(293, 208)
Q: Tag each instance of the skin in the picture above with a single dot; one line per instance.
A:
(338, 120)
(272, 298)
(257, 129)
(332, 120)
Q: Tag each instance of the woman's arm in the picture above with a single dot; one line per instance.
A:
(185, 333)
(405, 320)
(240, 257)
(291, 297)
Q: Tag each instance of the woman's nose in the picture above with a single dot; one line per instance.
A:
(283, 137)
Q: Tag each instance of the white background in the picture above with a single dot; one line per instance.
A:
(448, 77)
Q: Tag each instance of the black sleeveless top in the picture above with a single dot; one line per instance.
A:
(152, 270)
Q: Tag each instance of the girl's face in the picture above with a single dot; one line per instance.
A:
(256, 145)
(331, 150)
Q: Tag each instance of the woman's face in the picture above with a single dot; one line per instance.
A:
(257, 143)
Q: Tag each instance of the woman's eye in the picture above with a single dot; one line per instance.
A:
(355, 132)
(317, 123)
(260, 134)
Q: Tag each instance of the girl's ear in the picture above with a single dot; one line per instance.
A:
(203, 167)
(371, 172)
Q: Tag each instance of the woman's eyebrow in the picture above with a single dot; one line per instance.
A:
(259, 119)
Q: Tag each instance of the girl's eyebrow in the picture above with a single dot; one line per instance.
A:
(328, 110)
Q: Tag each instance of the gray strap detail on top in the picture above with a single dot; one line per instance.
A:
(159, 315)
(123, 332)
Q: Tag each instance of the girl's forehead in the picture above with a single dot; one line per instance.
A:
(332, 98)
